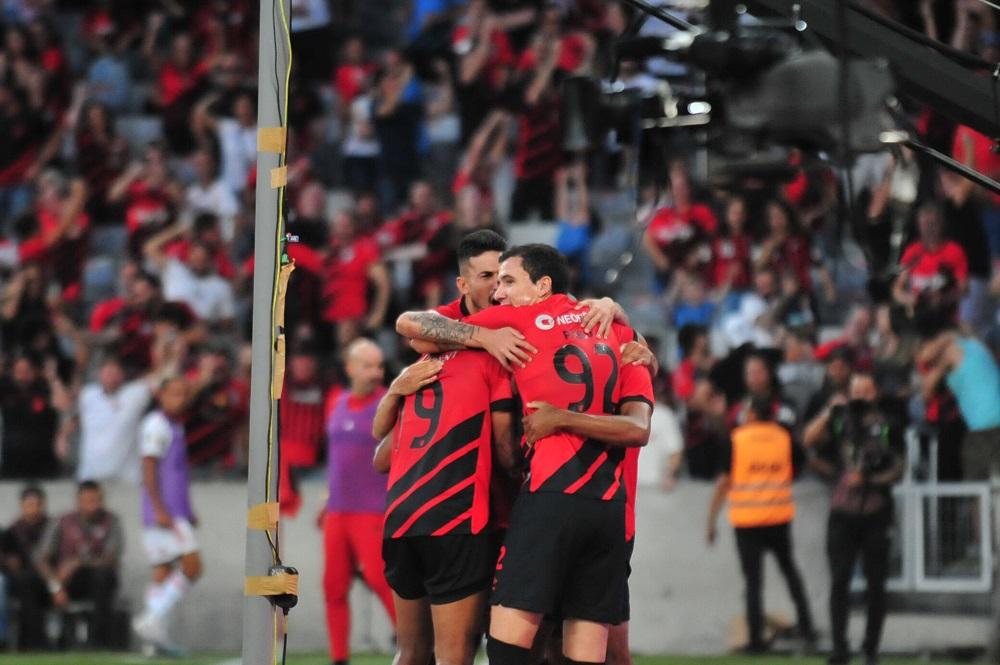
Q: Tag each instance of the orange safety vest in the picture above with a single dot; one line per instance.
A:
(761, 476)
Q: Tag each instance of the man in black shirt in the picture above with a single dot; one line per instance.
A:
(26, 584)
(860, 447)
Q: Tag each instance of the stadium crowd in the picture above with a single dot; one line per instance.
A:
(126, 245)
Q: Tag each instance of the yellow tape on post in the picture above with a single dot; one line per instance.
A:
(284, 274)
(263, 516)
(271, 585)
(279, 177)
(279, 368)
(271, 139)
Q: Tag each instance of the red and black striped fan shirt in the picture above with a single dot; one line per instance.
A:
(439, 482)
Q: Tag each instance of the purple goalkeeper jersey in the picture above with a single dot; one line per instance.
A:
(355, 487)
(175, 482)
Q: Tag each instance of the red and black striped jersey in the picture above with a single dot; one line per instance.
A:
(636, 386)
(573, 370)
(439, 480)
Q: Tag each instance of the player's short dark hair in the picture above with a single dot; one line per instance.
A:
(479, 242)
(761, 407)
(688, 335)
(88, 486)
(540, 260)
(32, 491)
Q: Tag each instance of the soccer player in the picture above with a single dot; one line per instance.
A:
(565, 552)
(478, 266)
(635, 406)
(168, 536)
(352, 518)
(437, 543)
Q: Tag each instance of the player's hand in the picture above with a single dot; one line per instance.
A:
(600, 315)
(542, 422)
(636, 354)
(508, 346)
(416, 376)
(163, 519)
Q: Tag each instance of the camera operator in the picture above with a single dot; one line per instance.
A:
(858, 445)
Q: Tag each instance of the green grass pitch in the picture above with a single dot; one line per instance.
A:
(89, 658)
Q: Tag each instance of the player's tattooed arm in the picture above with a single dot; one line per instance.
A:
(507, 345)
(433, 327)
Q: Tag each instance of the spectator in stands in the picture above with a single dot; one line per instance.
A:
(760, 382)
(575, 219)
(302, 406)
(23, 123)
(696, 360)
(931, 262)
(216, 426)
(861, 449)
(80, 557)
(353, 75)
(664, 453)
(182, 79)
(24, 306)
(475, 202)
(730, 263)
(194, 281)
(26, 584)
(361, 148)
(126, 321)
(108, 79)
(800, 374)
(424, 224)
(210, 195)
(352, 262)
(755, 321)
(689, 300)
(538, 151)
(970, 372)
(839, 361)
(233, 135)
(679, 232)
(485, 60)
(149, 195)
(100, 156)
(398, 118)
(31, 400)
(785, 247)
(63, 228)
(108, 417)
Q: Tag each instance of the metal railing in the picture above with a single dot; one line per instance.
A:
(942, 539)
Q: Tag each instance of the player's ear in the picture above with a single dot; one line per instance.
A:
(544, 286)
(462, 285)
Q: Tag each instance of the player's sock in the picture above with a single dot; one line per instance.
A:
(503, 653)
(171, 591)
(570, 661)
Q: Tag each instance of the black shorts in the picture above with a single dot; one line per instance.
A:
(441, 568)
(564, 556)
(627, 606)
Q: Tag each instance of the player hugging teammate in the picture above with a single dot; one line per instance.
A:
(447, 425)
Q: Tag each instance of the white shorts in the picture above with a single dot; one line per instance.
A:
(167, 545)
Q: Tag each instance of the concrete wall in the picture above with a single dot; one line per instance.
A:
(685, 596)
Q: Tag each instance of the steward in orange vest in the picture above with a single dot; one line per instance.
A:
(758, 486)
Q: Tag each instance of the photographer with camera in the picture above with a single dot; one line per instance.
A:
(859, 445)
